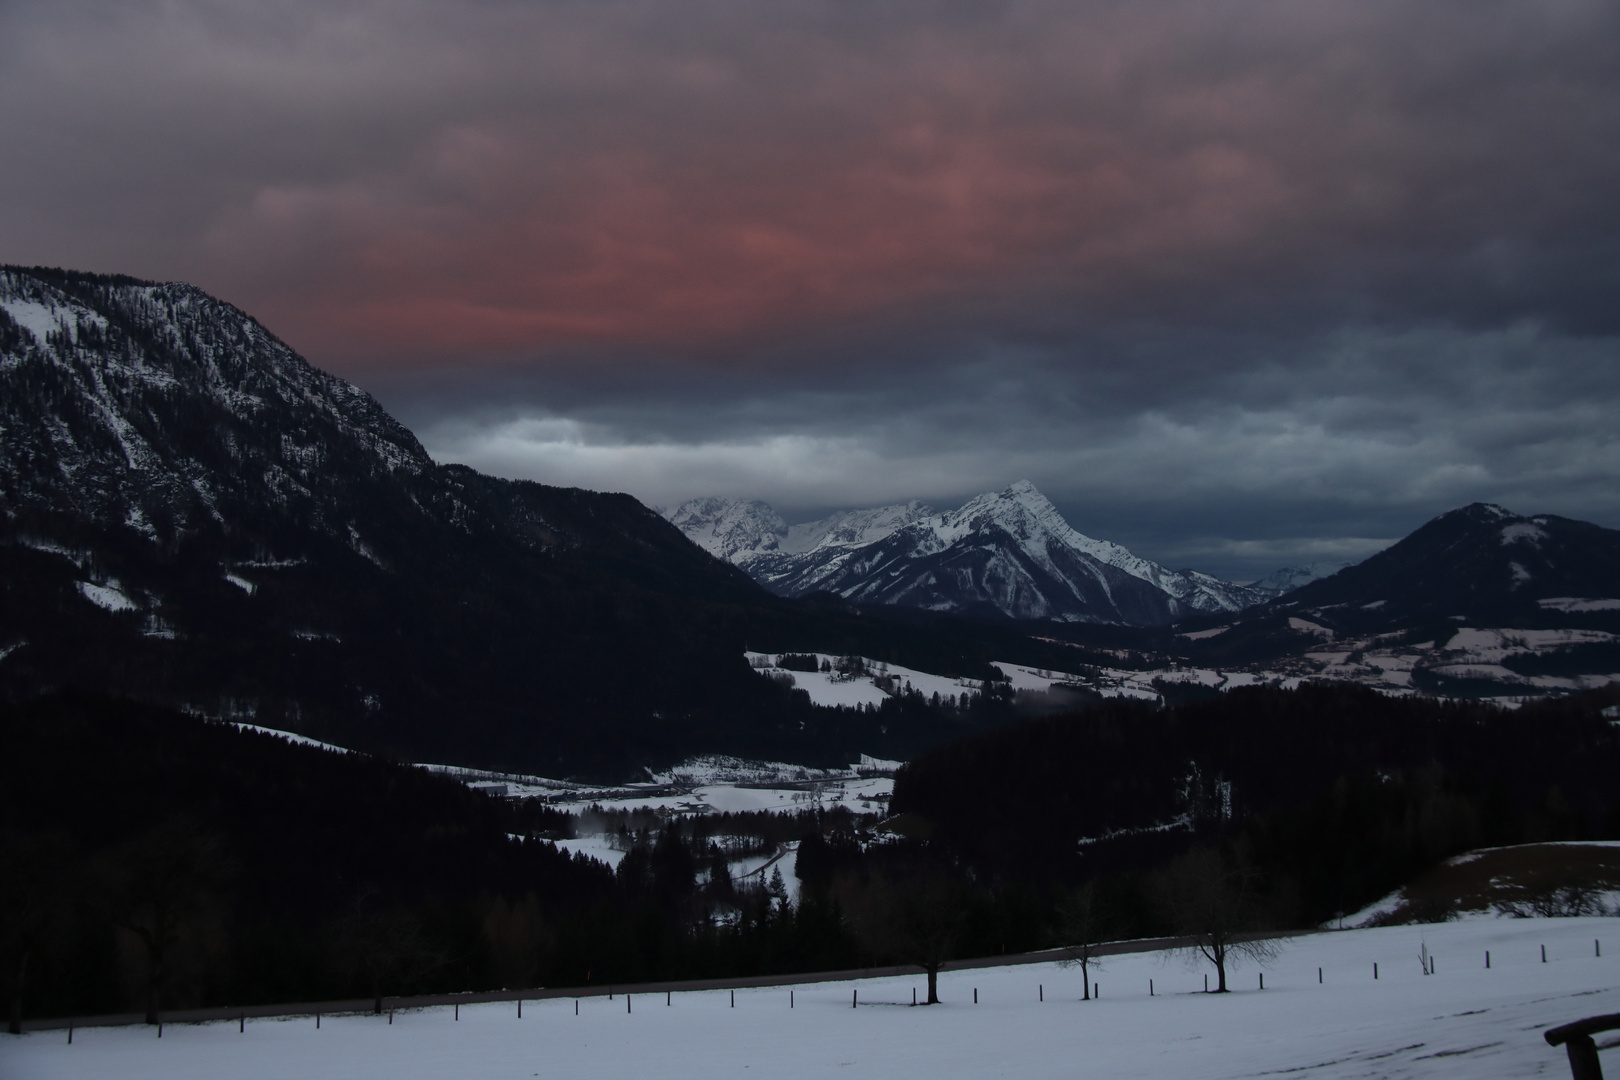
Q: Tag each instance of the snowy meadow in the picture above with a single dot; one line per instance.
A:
(1464, 1020)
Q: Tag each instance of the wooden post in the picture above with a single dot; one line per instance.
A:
(1375, 969)
(1262, 980)
(854, 998)
(241, 1024)
(1318, 976)
(1096, 990)
(1487, 959)
(318, 1021)
(520, 1008)
(1206, 984)
(160, 1029)
(1577, 1041)
(627, 1004)
(1150, 988)
(1042, 992)
(390, 1015)
(666, 998)
(1597, 947)
(1544, 954)
(914, 995)
(70, 1034)
(734, 999)
(458, 1010)
(790, 999)
(975, 995)
(576, 1006)
(1583, 1058)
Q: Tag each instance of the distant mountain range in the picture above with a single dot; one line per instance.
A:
(191, 514)
(1008, 554)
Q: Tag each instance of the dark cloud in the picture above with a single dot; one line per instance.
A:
(1229, 281)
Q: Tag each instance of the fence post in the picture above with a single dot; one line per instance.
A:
(458, 1010)
(520, 1008)
(854, 998)
(1041, 991)
(1262, 980)
(1318, 976)
(1544, 954)
(1487, 959)
(975, 995)
(1375, 969)
(1150, 988)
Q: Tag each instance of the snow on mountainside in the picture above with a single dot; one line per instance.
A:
(1288, 578)
(1010, 553)
(159, 405)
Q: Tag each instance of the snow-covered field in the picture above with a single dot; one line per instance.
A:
(1463, 1021)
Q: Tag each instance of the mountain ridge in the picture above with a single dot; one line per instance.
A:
(1009, 554)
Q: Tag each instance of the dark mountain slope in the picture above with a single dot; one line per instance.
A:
(195, 516)
(1482, 562)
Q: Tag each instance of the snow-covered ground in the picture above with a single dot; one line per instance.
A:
(1463, 1021)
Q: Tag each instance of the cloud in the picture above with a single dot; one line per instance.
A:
(1212, 275)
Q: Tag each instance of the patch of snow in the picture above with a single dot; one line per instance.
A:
(1307, 627)
(1200, 635)
(1523, 532)
(37, 318)
(1374, 606)
(1520, 574)
(601, 847)
(1580, 603)
(290, 736)
(107, 596)
(241, 583)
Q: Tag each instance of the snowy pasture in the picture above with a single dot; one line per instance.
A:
(1462, 1021)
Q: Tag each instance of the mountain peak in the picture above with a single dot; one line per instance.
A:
(1009, 552)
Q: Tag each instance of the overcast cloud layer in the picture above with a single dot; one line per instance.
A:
(1236, 284)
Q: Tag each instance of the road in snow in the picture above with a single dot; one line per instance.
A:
(1463, 1021)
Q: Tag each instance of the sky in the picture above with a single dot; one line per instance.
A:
(1238, 285)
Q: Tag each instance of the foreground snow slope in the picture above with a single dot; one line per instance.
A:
(1464, 1021)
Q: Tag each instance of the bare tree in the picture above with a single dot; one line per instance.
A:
(34, 882)
(383, 944)
(162, 884)
(915, 919)
(1081, 926)
(1212, 900)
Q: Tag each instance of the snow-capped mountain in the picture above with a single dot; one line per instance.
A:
(1009, 553)
(1288, 578)
(161, 409)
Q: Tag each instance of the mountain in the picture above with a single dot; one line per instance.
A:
(1007, 554)
(1480, 562)
(192, 515)
(1288, 578)
(1478, 602)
